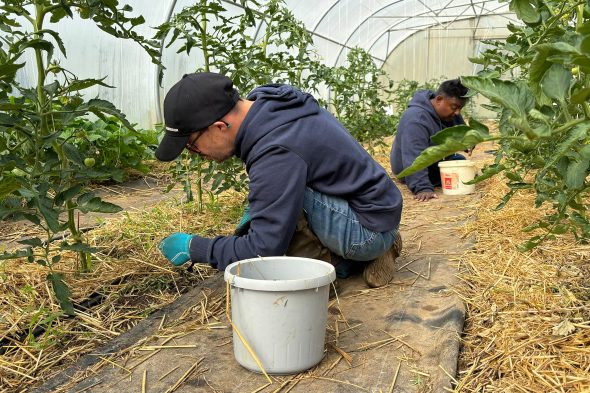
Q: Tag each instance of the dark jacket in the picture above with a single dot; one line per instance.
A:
(416, 126)
(288, 142)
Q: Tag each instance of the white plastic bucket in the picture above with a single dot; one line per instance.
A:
(280, 307)
(454, 174)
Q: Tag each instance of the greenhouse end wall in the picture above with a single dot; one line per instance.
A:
(443, 52)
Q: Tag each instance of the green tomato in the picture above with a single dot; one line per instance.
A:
(18, 172)
(89, 162)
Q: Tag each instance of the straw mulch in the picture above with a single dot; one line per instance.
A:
(130, 279)
(528, 319)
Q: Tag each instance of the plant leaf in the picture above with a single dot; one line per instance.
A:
(50, 214)
(81, 84)
(476, 125)
(68, 194)
(525, 11)
(449, 146)
(455, 132)
(97, 205)
(577, 133)
(79, 247)
(515, 96)
(580, 95)
(62, 292)
(487, 173)
(576, 174)
(556, 82)
(33, 242)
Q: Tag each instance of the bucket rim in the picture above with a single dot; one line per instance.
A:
(456, 163)
(298, 284)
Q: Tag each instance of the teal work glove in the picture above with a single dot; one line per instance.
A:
(244, 224)
(176, 248)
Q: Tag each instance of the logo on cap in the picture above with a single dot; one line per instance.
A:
(171, 129)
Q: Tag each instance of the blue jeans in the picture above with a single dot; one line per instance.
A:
(338, 229)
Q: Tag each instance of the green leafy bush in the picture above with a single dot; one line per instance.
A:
(113, 147)
(42, 173)
(359, 96)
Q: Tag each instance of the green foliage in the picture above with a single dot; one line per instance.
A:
(359, 97)
(110, 147)
(42, 170)
(544, 115)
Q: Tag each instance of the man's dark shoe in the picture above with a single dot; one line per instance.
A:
(380, 272)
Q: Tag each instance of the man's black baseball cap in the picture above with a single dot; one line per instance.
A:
(192, 104)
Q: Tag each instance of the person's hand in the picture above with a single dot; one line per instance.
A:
(176, 248)
(424, 196)
(244, 224)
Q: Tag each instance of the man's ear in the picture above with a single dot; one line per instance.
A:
(221, 124)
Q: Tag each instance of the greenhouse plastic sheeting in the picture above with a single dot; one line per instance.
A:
(415, 39)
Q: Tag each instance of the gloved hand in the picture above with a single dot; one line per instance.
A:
(176, 248)
(244, 224)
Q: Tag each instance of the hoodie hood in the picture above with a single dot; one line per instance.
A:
(274, 107)
(421, 99)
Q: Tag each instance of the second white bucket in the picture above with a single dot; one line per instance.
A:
(454, 174)
(280, 307)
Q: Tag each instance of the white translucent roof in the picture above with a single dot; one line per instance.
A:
(378, 26)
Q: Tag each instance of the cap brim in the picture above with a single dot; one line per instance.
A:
(171, 146)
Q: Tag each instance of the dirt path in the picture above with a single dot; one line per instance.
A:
(400, 338)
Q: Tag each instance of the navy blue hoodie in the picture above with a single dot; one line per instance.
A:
(288, 142)
(416, 126)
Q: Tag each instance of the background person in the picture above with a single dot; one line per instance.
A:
(299, 158)
(428, 113)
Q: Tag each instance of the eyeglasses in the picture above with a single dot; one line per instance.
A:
(192, 145)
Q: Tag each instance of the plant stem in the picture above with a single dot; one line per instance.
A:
(579, 17)
(199, 184)
(568, 125)
(41, 99)
(204, 34)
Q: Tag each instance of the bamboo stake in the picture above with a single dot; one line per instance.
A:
(144, 381)
(399, 365)
(248, 348)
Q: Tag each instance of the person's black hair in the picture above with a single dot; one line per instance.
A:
(452, 88)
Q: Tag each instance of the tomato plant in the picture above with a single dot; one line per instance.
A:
(42, 172)
(359, 95)
(544, 115)
(114, 147)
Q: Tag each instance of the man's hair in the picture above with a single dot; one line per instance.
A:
(452, 88)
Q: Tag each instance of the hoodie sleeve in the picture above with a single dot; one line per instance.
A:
(277, 188)
(417, 139)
